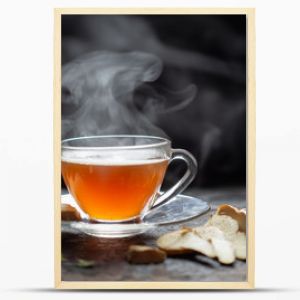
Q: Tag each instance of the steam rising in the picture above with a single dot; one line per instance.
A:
(117, 92)
(98, 90)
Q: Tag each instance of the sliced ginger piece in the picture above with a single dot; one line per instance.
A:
(69, 213)
(140, 254)
(223, 248)
(183, 241)
(223, 237)
(240, 245)
(226, 224)
(237, 214)
(192, 241)
(169, 242)
(209, 232)
(232, 222)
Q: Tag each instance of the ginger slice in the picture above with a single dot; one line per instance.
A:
(222, 237)
(69, 213)
(230, 228)
(169, 242)
(223, 248)
(240, 245)
(226, 224)
(192, 241)
(183, 241)
(139, 254)
(238, 214)
(209, 232)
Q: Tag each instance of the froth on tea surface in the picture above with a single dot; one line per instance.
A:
(116, 190)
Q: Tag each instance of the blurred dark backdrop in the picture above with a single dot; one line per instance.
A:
(208, 51)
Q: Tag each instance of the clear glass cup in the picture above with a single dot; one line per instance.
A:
(117, 178)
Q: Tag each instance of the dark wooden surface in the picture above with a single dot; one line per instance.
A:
(108, 255)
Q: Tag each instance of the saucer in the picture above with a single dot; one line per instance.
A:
(180, 209)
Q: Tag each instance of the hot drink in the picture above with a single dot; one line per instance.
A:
(118, 178)
(109, 191)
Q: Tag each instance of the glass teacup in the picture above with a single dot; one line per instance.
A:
(117, 178)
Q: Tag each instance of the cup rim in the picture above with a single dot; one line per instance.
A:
(163, 142)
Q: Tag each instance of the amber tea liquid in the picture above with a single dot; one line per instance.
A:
(113, 192)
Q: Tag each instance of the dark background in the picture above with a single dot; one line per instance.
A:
(207, 51)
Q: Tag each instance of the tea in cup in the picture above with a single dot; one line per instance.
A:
(117, 178)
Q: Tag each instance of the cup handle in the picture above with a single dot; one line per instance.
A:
(183, 183)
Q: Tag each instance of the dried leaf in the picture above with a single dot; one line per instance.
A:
(82, 263)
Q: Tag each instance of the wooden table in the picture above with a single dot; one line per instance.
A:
(108, 255)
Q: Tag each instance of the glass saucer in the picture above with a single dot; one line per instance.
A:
(180, 209)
